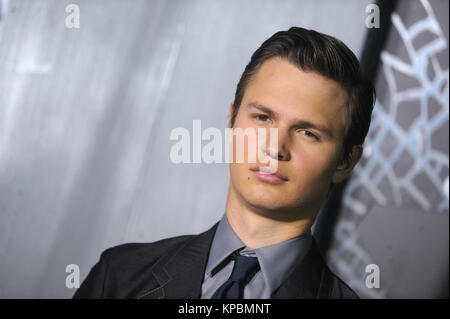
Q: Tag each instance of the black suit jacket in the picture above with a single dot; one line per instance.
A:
(174, 268)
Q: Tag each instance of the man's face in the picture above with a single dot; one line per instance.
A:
(308, 111)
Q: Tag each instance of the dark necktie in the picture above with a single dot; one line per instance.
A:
(243, 270)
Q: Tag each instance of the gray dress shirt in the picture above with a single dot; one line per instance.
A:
(276, 261)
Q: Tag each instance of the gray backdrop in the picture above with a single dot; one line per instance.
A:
(85, 118)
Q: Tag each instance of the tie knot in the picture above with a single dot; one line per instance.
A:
(244, 268)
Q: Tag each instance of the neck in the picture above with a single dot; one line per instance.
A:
(258, 228)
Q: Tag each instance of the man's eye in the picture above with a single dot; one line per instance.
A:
(309, 134)
(262, 117)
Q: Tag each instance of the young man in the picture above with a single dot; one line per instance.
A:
(309, 87)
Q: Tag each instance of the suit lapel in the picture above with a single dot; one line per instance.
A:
(180, 274)
(308, 280)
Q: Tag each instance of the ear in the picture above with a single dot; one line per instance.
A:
(344, 169)
(231, 113)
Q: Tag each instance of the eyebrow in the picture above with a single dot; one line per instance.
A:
(262, 108)
(299, 123)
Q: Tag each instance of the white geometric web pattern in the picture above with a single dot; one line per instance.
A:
(379, 178)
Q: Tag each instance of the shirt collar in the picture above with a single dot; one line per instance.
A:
(276, 261)
(279, 260)
(224, 243)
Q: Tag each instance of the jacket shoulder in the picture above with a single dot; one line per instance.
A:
(331, 286)
(142, 251)
(340, 290)
(123, 269)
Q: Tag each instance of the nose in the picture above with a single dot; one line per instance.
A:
(281, 151)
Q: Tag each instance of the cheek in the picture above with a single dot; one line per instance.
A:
(245, 146)
(240, 175)
(315, 164)
(242, 146)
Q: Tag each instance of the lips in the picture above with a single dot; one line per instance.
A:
(267, 175)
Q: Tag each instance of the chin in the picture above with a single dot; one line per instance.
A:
(265, 200)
